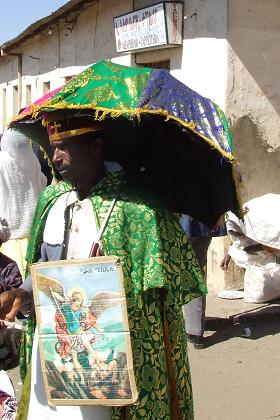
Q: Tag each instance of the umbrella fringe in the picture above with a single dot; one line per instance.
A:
(101, 113)
(47, 158)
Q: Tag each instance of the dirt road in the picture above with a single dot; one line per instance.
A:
(238, 378)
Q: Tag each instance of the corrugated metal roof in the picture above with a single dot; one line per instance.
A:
(36, 27)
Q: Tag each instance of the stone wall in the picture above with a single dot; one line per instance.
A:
(253, 92)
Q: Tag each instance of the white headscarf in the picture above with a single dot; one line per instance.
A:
(21, 182)
(4, 231)
(262, 220)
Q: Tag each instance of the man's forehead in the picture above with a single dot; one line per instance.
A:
(65, 127)
(59, 143)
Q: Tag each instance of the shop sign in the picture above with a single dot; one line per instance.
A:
(156, 26)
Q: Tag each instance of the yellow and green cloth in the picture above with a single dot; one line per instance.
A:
(157, 261)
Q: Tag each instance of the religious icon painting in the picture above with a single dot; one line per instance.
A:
(84, 336)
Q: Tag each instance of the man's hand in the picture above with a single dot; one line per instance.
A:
(11, 302)
(225, 262)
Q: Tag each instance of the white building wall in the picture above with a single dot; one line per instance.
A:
(204, 64)
(63, 50)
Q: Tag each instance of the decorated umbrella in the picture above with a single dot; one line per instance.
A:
(44, 98)
(167, 137)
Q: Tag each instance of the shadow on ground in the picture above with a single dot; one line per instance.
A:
(251, 324)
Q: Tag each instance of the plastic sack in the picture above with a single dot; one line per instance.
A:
(262, 283)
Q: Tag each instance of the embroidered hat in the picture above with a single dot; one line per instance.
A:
(62, 126)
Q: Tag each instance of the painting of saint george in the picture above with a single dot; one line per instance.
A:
(84, 335)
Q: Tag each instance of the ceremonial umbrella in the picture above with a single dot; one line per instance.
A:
(167, 137)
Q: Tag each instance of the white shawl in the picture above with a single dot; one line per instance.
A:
(262, 220)
(21, 182)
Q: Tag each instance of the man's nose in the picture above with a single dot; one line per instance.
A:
(57, 156)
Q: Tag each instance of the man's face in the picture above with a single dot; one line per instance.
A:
(74, 157)
(67, 158)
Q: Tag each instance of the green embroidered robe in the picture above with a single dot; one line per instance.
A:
(155, 254)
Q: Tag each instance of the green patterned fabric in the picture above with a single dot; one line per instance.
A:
(155, 255)
(105, 85)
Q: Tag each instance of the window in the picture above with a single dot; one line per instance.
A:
(27, 95)
(15, 100)
(157, 65)
(68, 78)
(46, 87)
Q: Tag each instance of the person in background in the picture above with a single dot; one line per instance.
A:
(242, 248)
(21, 182)
(10, 276)
(194, 312)
(256, 247)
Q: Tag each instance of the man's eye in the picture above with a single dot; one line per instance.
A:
(59, 149)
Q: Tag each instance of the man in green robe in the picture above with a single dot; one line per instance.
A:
(160, 270)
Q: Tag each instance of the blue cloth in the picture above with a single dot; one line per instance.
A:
(72, 318)
(194, 228)
(163, 91)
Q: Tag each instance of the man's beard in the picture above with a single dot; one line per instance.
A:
(66, 176)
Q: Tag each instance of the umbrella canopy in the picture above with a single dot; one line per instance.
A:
(168, 137)
(39, 101)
